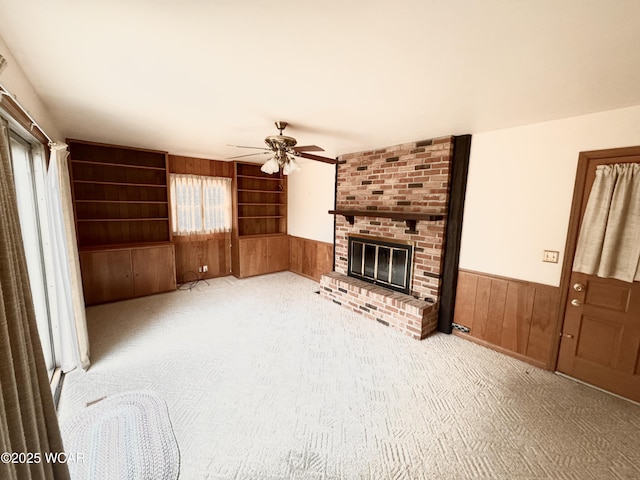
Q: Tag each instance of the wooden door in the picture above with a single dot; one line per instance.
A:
(278, 253)
(600, 337)
(153, 269)
(106, 276)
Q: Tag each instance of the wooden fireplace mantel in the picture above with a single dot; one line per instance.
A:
(410, 218)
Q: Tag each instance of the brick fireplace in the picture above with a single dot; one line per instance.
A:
(395, 194)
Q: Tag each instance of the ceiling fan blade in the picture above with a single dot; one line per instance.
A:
(249, 155)
(318, 158)
(308, 148)
(244, 146)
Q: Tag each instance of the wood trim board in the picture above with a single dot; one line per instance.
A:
(455, 213)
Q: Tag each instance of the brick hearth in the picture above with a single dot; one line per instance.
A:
(413, 317)
(408, 178)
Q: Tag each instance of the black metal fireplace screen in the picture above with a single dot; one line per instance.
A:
(381, 262)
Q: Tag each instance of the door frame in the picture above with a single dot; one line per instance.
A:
(584, 160)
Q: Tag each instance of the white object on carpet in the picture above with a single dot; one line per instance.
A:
(124, 436)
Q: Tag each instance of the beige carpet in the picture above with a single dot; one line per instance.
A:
(266, 380)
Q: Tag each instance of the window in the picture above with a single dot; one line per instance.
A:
(200, 204)
(29, 172)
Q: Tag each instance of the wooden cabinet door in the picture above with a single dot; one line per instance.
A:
(253, 256)
(278, 253)
(154, 269)
(106, 276)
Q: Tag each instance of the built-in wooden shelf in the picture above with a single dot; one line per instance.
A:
(120, 194)
(260, 201)
(259, 241)
(122, 184)
(119, 165)
(276, 179)
(139, 219)
(410, 218)
(126, 202)
(258, 191)
(121, 205)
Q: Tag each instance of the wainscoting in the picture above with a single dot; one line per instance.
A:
(512, 316)
(193, 251)
(310, 258)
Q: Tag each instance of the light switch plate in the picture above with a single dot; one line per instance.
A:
(550, 256)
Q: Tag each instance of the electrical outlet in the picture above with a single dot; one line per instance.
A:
(205, 268)
(550, 256)
(199, 269)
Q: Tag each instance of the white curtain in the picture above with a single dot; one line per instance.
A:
(68, 303)
(200, 204)
(609, 240)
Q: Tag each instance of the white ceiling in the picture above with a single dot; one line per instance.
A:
(192, 76)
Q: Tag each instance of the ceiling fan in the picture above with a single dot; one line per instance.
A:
(283, 151)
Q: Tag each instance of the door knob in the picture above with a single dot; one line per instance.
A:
(578, 287)
(575, 302)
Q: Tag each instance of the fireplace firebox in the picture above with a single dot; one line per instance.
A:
(381, 262)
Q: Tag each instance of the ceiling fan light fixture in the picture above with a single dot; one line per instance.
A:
(271, 166)
(290, 166)
(284, 150)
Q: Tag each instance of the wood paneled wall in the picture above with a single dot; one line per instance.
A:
(194, 251)
(310, 258)
(512, 316)
(200, 166)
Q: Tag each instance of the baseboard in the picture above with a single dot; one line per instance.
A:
(597, 388)
(305, 276)
(500, 349)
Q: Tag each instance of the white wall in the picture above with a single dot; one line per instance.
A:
(311, 196)
(520, 188)
(14, 80)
